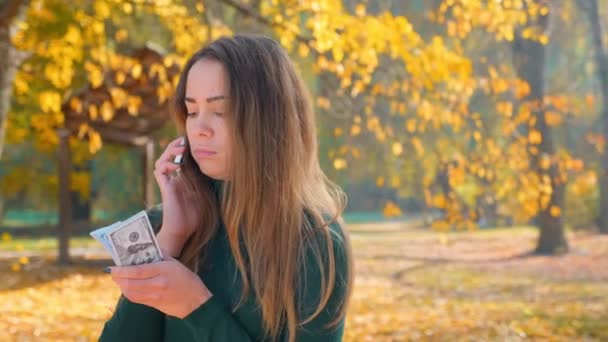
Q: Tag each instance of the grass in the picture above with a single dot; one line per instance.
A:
(43, 245)
(411, 285)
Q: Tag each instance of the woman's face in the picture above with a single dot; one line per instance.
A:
(206, 103)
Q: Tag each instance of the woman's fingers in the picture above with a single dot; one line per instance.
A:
(165, 167)
(170, 153)
(166, 163)
(142, 285)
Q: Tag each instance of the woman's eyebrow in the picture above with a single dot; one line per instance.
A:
(215, 98)
(209, 99)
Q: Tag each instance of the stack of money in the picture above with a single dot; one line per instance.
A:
(130, 242)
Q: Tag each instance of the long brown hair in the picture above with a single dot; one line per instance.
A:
(276, 200)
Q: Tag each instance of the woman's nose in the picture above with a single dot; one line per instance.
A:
(203, 127)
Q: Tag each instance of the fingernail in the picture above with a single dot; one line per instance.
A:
(178, 159)
(183, 142)
(107, 270)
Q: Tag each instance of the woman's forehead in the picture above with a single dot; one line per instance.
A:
(206, 80)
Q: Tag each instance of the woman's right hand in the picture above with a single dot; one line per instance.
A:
(179, 218)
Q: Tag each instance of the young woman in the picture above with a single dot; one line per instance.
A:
(250, 227)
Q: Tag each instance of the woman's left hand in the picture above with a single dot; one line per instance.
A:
(167, 286)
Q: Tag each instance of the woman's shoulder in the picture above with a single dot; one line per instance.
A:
(317, 260)
(332, 228)
(334, 224)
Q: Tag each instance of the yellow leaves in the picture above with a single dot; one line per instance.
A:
(73, 36)
(380, 181)
(560, 103)
(93, 112)
(106, 111)
(395, 181)
(410, 125)
(575, 165)
(340, 163)
(418, 146)
(535, 137)
(499, 85)
(323, 102)
(80, 182)
(373, 123)
(120, 77)
(102, 9)
(477, 136)
(94, 74)
(163, 93)
(553, 119)
(505, 108)
(338, 132)
(360, 10)
(82, 130)
(158, 71)
(20, 84)
(391, 210)
(544, 10)
(127, 8)
(133, 104)
(95, 142)
(121, 35)
(337, 53)
(355, 130)
(597, 140)
(76, 104)
(136, 71)
(119, 97)
(59, 72)
(522, 89)
(50, 101)
(584, 184)
(397, 149)
(555, 211)
(6, 237)
(545, 162)
(439, 201)
(303, 50)
(590, 100)
(22, 261)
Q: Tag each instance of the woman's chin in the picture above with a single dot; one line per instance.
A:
(211, 172)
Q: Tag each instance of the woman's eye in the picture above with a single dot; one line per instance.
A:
(218, 113)
(191, 114)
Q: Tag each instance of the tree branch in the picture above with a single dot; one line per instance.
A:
(10, 10)
(246, 10)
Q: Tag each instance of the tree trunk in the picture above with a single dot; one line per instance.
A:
(10, 11)
(65, 204)
(81, 208)
(529, 61)
(601, 62)
(7, 73)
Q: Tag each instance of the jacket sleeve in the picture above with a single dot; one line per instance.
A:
(316, 329)
(136, 322)
(213, 322)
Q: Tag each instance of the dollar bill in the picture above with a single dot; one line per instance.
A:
(130, 242)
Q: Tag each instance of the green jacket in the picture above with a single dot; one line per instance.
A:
(214, 319)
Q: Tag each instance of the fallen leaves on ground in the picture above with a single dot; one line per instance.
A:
(410, 285)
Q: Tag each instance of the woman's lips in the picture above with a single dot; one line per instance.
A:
(202, 153)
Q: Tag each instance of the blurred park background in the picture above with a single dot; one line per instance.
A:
(469, 136)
